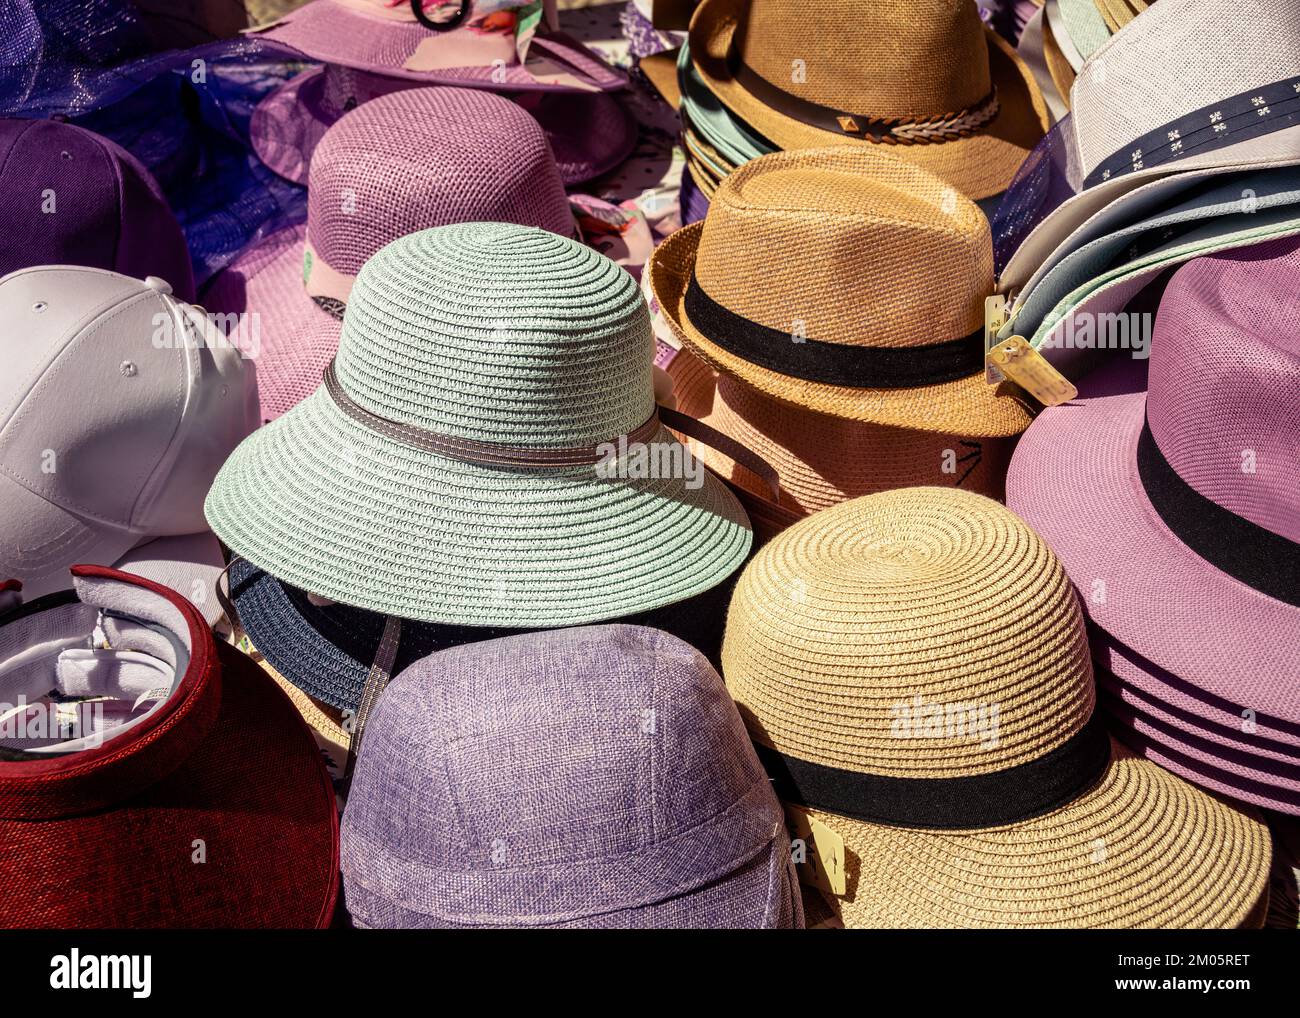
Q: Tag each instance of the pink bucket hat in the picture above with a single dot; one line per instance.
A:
(404, 162)
(1177, 514)
(503, 45)
(590, 134)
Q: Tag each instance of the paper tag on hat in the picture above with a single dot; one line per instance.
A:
(1029, 369)
(995, 317)
(821, 863)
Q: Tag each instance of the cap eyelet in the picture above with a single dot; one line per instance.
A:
(462, 12)
(127, 368)
(65, 154)
(39, 306)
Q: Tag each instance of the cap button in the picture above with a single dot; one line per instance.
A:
(154, 283)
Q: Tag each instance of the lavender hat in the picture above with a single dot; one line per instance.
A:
(589, 134)
(404, 162)
(595, 777)
(503, 45)
(75, 198)
(1176, 512)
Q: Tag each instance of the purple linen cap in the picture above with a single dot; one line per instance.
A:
(593, 777)
(75, 198)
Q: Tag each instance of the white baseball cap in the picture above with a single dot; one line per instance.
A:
(118, 404)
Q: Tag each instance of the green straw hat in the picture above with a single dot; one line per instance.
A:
(446, 471)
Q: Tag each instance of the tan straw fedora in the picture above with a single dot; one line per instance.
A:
(822, 460)
(844, 280)
(924, 77)
(914, 671)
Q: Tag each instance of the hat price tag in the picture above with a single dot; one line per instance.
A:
(822, 865)
(1029, 369)
(995, 318)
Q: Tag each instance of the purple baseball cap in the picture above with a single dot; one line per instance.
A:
(593, 777)
(75, 198)
(118, 404)
(404, 162)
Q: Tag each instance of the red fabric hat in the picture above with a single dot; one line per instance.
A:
(201, 803)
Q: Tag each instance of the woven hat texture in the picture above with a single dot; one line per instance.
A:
(327, 650)
(404, 162)
(589, 134)
(642, 804)
(940, 62)
(939, 596)
(494, 333)
(823, 460)
(381, 37)
(851, 247)
(225, 758)
(1221, 398)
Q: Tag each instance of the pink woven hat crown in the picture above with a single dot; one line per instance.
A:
(590, 134)
(504, 45)
(404, 162)
(1177, 511)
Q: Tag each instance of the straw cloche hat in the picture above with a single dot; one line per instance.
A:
(913, 668)
(485, 450)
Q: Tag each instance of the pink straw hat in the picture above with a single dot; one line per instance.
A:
(502, 45)
(1176, 512)
(590, 134)
(404, 162)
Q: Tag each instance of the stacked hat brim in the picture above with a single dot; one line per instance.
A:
(422, 536)
(1206, 114)
(979, 165)
(810, 451)
(335, 33)
(1173, 857)
(964, 406)
(327, 650)
(589, 134)
(1142, 564)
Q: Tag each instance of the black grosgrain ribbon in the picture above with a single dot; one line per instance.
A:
(859, 367)
(1259, 558)
(1008, 796)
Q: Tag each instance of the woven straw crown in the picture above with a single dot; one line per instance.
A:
(922, 592)
(899, 58)
(1224, 386)
(499, 333)
(849, 246)
(1175, 65)
(425, 157)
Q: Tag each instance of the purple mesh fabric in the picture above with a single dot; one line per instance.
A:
(404, 162)
(596, 777)
(424, 158)
(74, 198)
(1042, 184)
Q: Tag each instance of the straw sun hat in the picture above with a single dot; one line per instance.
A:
(448, 469)
(926, 78)
(913, 668)
(846, 281)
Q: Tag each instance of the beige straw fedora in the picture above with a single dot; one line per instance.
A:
(924, 77)
(844, 280)
(822, 460)
(914, 671)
